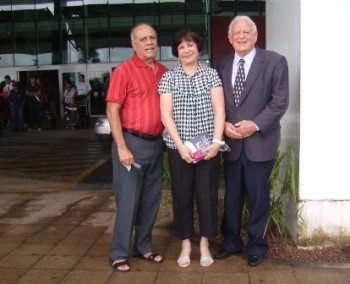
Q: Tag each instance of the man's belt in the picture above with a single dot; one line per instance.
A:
(142, 135)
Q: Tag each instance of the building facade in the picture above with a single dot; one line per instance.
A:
(60, 39)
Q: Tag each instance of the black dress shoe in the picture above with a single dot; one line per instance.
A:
(255, 260)
(223, 254)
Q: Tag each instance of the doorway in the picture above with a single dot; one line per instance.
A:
(50, 81)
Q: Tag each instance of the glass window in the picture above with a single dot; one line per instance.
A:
(172, 23)
(98, 40)
(234, 7)
(120, 38)
(6, 46)
(73, 45)
(118, 7)
(25, 44)
(169, 25)
(5, 12)
(72, 9)
(96, 8)
(5, 5)
(43, 32)
(198, 23)
(166, 53)
(141, 7)
(45, 9)
(74, 3)
(173, 7)
(152, 20)
(23, 10)
(195, 6)
(48, 43)
(181, 6)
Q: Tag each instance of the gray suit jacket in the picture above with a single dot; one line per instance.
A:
(264, 100)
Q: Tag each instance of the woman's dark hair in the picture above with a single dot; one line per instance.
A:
(188, 35)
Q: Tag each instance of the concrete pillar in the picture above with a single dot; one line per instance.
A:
(313, 35)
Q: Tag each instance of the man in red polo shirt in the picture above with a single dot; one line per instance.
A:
(133, 112)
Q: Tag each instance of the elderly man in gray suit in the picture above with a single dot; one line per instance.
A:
(256, 96)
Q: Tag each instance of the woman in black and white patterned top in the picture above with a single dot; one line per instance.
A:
(192, 103)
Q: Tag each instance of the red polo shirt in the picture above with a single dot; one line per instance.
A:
(134, 85)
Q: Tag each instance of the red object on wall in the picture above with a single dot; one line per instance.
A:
(221, 47)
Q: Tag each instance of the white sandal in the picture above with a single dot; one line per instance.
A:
(184, 261)
(206, 261)
(184, 258)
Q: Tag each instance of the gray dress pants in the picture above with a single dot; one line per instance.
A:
(137, 194)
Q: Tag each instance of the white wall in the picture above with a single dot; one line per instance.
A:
(325, 100)
(313, 34)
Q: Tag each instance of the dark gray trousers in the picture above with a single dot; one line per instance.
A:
(137, 194)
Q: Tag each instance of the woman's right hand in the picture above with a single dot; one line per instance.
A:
(186, 154)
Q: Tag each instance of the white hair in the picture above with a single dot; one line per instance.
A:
(240, 19)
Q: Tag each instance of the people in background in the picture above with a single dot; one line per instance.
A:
(69, 94)
(16, 100)
(83, 92)
(8, 84)
(52, 100)
(83, 88)
(6, 87)
(42, 90)
(33, 99)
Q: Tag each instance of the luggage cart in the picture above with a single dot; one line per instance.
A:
(71, 115)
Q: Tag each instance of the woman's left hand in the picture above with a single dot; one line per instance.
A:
(211, 151)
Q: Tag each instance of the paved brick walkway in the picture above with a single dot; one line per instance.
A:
(56, 222)
(64, 237)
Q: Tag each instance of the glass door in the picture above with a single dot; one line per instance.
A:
(97, 75)
(99, 81)
(70, 73)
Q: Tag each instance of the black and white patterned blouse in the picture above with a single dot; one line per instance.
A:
(192, 108)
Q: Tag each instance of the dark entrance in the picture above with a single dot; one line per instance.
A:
(49, 78)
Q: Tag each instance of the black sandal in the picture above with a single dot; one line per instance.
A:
(151, 257)
(118, 264)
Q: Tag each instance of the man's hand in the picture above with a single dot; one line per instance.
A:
(231, 131)
(125, 156)
(245, 128)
